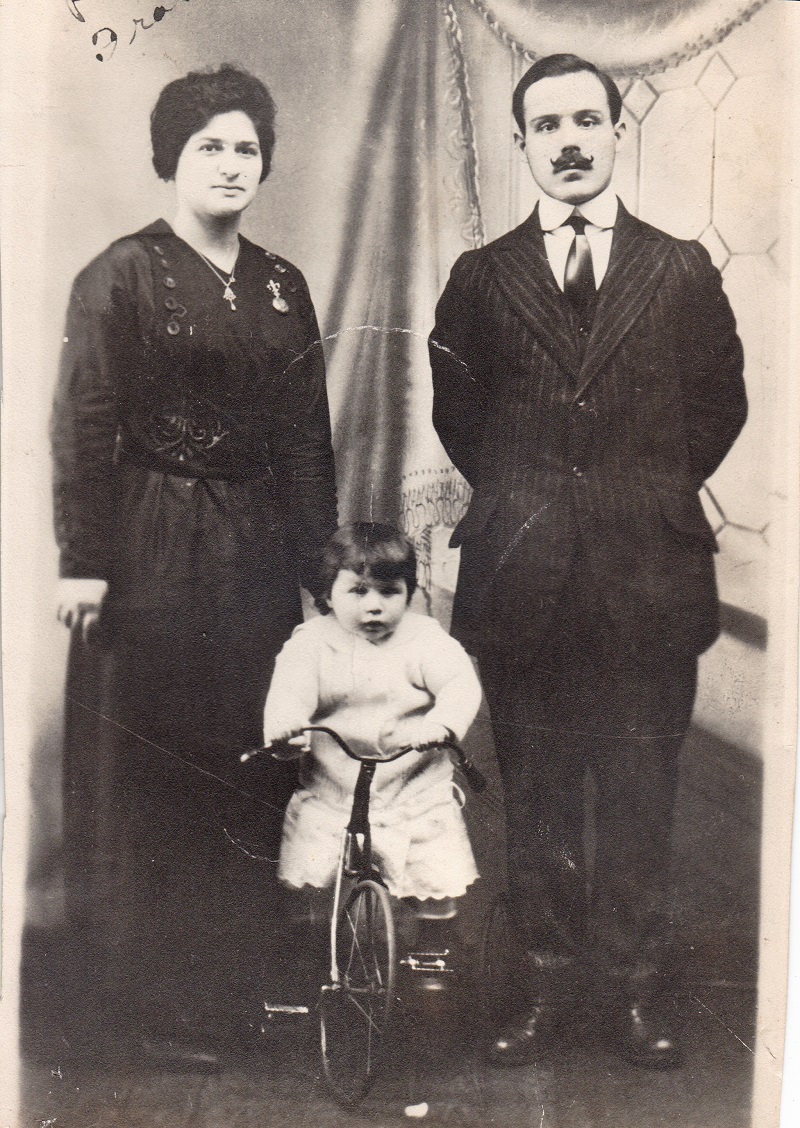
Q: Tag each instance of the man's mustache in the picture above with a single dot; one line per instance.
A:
(572, 160)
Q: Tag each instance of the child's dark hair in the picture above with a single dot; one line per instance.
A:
(374, 551)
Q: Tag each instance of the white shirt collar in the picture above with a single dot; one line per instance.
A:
(600, 211)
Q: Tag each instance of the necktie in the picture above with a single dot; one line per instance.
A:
(579, 274)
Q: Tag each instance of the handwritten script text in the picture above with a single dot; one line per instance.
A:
(106, 39)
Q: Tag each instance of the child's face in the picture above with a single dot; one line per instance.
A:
(367, 607)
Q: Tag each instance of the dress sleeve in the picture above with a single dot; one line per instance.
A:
(449, 675)
(304, 455)
(84, 425)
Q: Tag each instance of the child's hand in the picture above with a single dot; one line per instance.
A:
(413, 732)
(287, 730)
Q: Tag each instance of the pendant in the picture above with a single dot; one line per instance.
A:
(229, 295)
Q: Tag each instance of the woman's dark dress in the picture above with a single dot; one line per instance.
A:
(194, 472)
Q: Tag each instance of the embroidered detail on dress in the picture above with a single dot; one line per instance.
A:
(182, 435)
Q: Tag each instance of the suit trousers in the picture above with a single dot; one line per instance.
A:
(581, 705)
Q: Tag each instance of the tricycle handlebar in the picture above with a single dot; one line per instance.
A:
(473, 775)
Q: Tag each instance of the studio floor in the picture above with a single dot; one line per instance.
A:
(272, 1078)
(279, 1084)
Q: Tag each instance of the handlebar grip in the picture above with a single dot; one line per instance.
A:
(474, 777)
(280, 750)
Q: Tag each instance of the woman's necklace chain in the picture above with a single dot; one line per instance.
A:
(228, 293)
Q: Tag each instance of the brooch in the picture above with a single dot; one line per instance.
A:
(278, 303)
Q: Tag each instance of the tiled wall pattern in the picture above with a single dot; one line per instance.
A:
(699, 138)
(708, 150)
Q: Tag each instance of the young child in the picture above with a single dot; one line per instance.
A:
(384, 678)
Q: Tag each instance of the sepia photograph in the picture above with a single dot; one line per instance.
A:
(400, 529)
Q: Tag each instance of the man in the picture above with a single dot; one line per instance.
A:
(587, 380)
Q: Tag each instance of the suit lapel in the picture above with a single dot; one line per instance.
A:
(524, 276)
(638, 258)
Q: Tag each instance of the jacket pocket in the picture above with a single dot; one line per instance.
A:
(683, 512)
(475, 519)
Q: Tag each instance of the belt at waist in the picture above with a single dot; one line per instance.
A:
(189, 468)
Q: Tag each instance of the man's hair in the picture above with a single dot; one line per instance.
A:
(371, 550)
(186, 105)
(554, 66)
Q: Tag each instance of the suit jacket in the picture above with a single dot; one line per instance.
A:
(599, 443)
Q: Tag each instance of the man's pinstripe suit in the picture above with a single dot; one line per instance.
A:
(586, 585)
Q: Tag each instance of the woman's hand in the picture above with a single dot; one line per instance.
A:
(413, 732)
(78, 601)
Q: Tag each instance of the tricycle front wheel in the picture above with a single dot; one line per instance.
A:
(356, 1008)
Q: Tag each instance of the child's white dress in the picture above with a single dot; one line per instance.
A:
(357, 688)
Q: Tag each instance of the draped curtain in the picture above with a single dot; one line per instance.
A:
(628, 37)
(409, 207)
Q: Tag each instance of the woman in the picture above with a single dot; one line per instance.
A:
(193, 470)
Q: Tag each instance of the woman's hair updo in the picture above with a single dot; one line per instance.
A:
(187, 104)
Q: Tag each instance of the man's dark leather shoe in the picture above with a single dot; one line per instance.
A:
(523, 1042)
(638, 1036)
